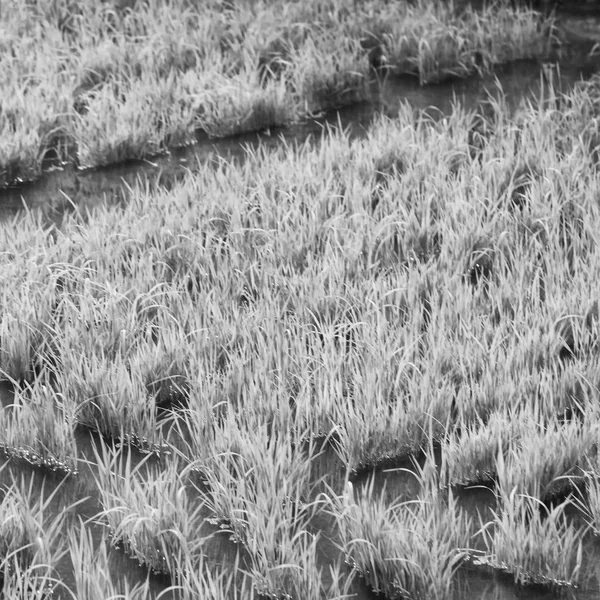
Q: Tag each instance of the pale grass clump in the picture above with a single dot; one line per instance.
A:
(32, 541)
(133, 118)
(26, 305)
(516, 449)
(164, 369)
(378, 434)
(39, 428)
(17, 339)
(587, 496)
(213, 583)
(545, 460)
(91, 570)
(258, 486)
(409, 549)
(495, 35)
(536, 544)
(470, 456)
(93, 316)
(153, 513)
(35, 120)
(35, 582)
(106, 397)
(587, 500)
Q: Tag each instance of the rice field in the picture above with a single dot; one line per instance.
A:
(210, 382)
(428, 290)
(96, 83)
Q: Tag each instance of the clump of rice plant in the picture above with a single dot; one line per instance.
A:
(258, 486)
(38, 428)
(540, 463)
(25, 309)
(36, 582)
(534, 543)
(494, 35)
(164, 369)
(108, 397)
(515, 449)
(409, 549)
(470, 457)
(31, 539)
(587, 500)
(212, 582)
(91, 570)
(149, 511)
(246, 70)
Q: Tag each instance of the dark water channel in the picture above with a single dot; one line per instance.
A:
(58, 190)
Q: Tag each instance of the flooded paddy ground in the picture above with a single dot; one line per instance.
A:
(356, 355)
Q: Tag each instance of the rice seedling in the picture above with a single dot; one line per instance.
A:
(258, 486)
(442, 52)
(587, 501)
(105, 397)
(469, 457)
(536, 544)
(150, 512)
(407, 549)
(36, 582)
(25, 311)
(163, 368)
(34, 127)
(542, 462)
(31, 540)
(516, 450)
(39, 428)
(213, 583)
(91, 569)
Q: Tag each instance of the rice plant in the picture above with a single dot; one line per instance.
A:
(91, 569)
(406, 549)
(541, 462)
(214, 583)
(514, 449)
(470, 457)
(430, 283)
(258, 486)
(535, 544)
(105, 396)
(39, 428)
(151, 513)
(32, 539)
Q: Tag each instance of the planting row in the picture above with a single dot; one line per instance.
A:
(88, 82)
(261, 492)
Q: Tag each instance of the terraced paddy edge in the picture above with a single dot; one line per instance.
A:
(266, 332)
(96, 84)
